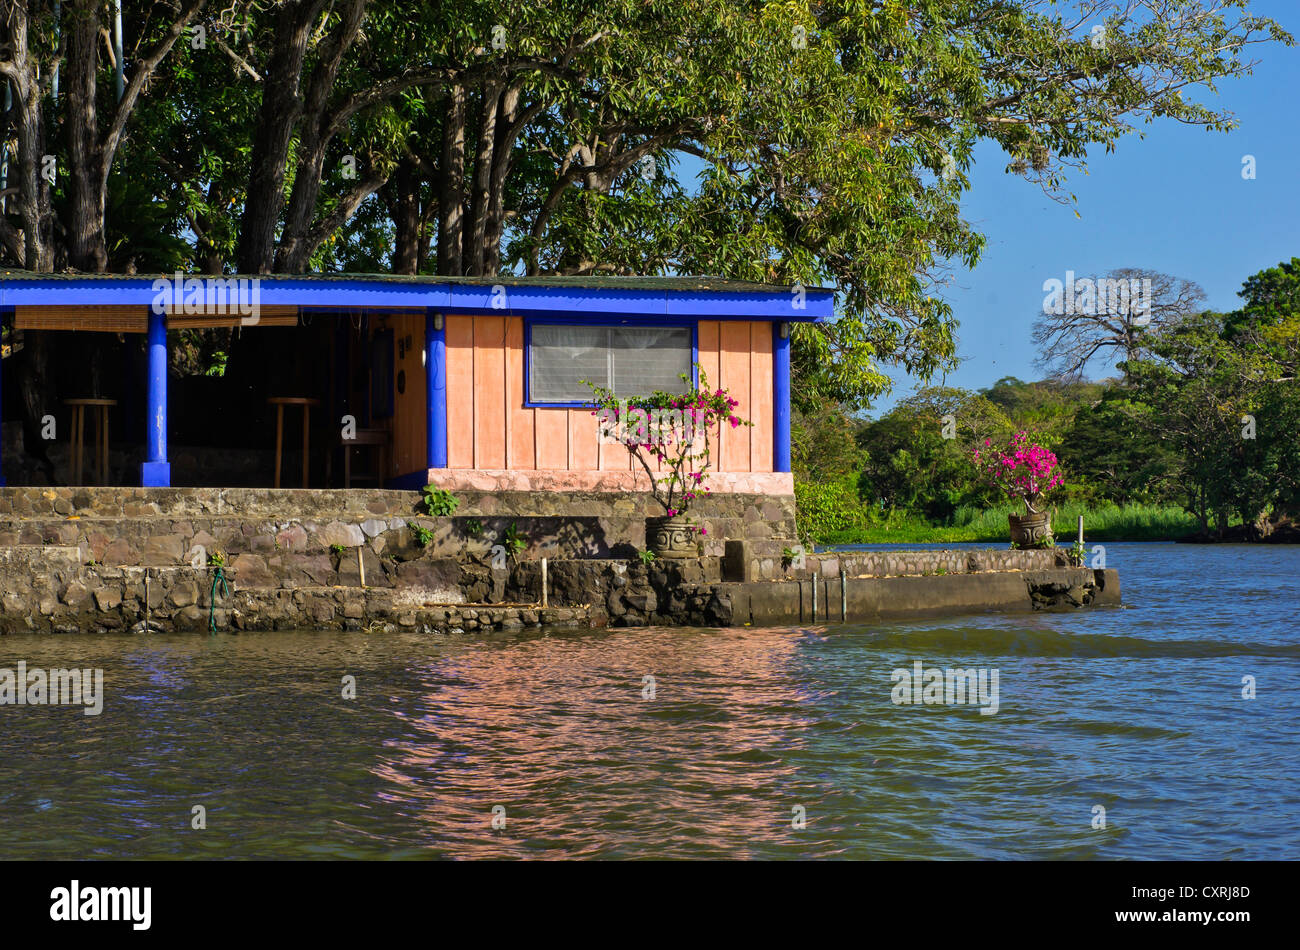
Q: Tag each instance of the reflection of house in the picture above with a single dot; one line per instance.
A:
(476, 382)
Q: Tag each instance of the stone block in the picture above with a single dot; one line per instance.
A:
(164, 549)
(108, 598)
(336, 532)
(251, 571)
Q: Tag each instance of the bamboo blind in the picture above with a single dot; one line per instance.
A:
(114, 318)
(102, 319)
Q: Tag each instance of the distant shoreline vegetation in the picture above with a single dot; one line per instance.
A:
(1194, 438)
(1134, 522)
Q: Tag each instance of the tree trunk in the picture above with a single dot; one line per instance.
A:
(85, 223)
(502, 152)
(406, 219)
(481, 193)
(33, 198)
(451, 194)
(313, 140)
(277, 117)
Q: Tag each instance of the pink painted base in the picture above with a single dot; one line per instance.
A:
(458, 479)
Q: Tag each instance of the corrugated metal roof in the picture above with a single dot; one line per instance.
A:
(674, 283)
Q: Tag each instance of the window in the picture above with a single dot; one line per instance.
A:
(629, 361)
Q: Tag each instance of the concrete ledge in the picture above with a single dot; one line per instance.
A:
(624, 480)
(877, 598)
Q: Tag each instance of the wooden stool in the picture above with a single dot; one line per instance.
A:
(280, 402)
(377, 438)
(78, 407)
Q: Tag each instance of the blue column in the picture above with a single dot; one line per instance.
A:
(2, 414)
(780, 399)
(435, 369)
(157, 471)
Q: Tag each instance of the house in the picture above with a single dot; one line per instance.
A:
(470, 383)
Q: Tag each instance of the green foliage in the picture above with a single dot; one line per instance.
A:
(912, 465)
(674, 431)
(337, 550)
(1105, 523)
(439, 502)
(838, 159)
(823, 441)
(1077, 552)
(474, 528)
(513, 541)
(828, 509)
(216, 559)
(421, 534)
(646, 556)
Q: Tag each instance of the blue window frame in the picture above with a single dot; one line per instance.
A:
(546, 393)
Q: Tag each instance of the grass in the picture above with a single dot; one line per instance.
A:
(1108, 523)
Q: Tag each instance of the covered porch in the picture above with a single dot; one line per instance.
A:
(393, 381)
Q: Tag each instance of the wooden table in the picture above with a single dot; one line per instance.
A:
(280, 402)
(376, 438)
(79, 407)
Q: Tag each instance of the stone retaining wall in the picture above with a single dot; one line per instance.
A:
(161, 526)
(133, 559)
(748, 560)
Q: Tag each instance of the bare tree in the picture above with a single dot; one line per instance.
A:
(1087, 317)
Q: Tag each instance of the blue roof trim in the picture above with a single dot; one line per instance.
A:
(517, 299)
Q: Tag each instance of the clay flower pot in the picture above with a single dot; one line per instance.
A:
(1031, 531)
(671, 537)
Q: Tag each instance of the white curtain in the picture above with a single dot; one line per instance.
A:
(631, 361)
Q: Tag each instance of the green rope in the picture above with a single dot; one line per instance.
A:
(217, 575)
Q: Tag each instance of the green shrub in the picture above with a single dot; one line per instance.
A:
(439, 502)
(513, 541)
(826, 509)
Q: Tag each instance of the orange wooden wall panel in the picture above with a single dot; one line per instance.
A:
(707, 342)
(460, 391)
(489, 392)
(520, 422)
(583, 440)
(489, 427)
(733, 351)
(552, 434)
(760, 397)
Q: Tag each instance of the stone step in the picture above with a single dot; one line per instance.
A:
(161, 542)
(24, 503)
(556, 523)
(18, 557)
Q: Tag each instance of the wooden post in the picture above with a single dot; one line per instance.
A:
(306, 455)
(844, 596)
(545, 593)
(279, 439)
(1081, 529)
(815, 578)
(361, 566)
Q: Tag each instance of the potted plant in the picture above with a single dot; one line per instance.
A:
(675, 430)
(1026, 472)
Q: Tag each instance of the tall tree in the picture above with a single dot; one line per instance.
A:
(1109, 317)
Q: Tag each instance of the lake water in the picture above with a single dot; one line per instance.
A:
(1137, 710)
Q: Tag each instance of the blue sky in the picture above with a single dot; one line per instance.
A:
(1174, 202)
